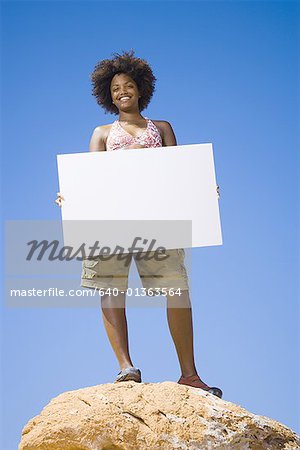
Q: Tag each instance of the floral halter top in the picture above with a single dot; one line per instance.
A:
(119, 138)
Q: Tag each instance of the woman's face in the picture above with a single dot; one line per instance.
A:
(124, 92)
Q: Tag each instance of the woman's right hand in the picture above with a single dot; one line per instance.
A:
(59, 199)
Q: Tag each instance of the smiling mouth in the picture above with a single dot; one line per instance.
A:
(125, 98)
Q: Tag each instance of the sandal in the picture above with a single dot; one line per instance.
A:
(129, 374)
(195, 381)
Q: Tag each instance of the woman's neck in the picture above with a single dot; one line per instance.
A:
(130, 116)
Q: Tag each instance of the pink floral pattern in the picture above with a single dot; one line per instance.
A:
(119, 138)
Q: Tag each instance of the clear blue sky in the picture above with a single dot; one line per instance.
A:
(227, 74)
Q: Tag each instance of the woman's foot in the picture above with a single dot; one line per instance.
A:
(129, 374)
(195, 381)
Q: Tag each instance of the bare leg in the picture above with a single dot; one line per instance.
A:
(181, 327)
(115, 322)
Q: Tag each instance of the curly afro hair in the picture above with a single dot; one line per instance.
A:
(138, 69)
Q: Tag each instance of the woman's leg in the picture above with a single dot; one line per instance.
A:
(115, 322)
(179, 313)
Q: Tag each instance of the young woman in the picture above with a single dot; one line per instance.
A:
(124, 86)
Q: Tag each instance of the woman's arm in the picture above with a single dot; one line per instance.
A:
(97, 144)
(98, 139)
(167, 133)
(169, 139)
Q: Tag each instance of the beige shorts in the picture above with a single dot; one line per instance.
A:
(113, 273)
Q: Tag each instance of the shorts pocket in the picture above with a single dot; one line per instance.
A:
(87, 268)
(90, 263)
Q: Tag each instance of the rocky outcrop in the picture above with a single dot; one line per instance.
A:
(152, 416)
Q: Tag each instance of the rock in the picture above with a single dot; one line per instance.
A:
(151, 416)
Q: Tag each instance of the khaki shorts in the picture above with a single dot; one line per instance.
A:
(113, 273)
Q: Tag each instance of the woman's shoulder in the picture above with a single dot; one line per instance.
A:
(99, 137)
(103, 130)
(161, 122)
(162, 125)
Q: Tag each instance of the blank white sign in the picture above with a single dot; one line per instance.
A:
(142, 186)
